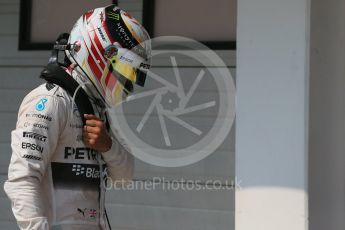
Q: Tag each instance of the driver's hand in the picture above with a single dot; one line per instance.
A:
(95, 134)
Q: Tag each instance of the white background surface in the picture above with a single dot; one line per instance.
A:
(272, 114)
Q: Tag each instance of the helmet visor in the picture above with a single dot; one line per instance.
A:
(127, 64)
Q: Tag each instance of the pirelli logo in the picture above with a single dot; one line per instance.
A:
(35, 136)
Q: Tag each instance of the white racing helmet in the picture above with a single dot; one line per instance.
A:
(112, 50)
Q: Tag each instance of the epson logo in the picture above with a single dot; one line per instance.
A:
(35, 136)
(35, 147)
(80, 153)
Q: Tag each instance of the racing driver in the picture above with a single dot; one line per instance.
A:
(59, 166)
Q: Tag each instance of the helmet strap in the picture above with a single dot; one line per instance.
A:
(61, 44)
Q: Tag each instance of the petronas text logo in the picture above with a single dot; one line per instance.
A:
(114, 16)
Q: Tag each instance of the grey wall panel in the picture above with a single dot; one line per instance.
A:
(11, 99)
(8, 225)
(9, 7)
(5, 210)
(131, 5)
(217, 166)
(6, 27)
(327, 116)
(6, 216)
(163, 57)
(5, 157)
(134, 114)
(7, 124)
(212, 197)
(10, 56)
(188, 76)
(157, 218)
(25, 78)
(2, 180)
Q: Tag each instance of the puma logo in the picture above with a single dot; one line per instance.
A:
(82, 211)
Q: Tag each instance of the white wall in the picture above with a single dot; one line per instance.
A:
(138, 210)
(272, 110)
(327, 116)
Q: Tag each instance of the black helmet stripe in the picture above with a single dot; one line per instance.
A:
(118, 29)
(120, 33)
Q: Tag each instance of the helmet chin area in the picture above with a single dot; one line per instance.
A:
(117, 87)
(117, 95)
